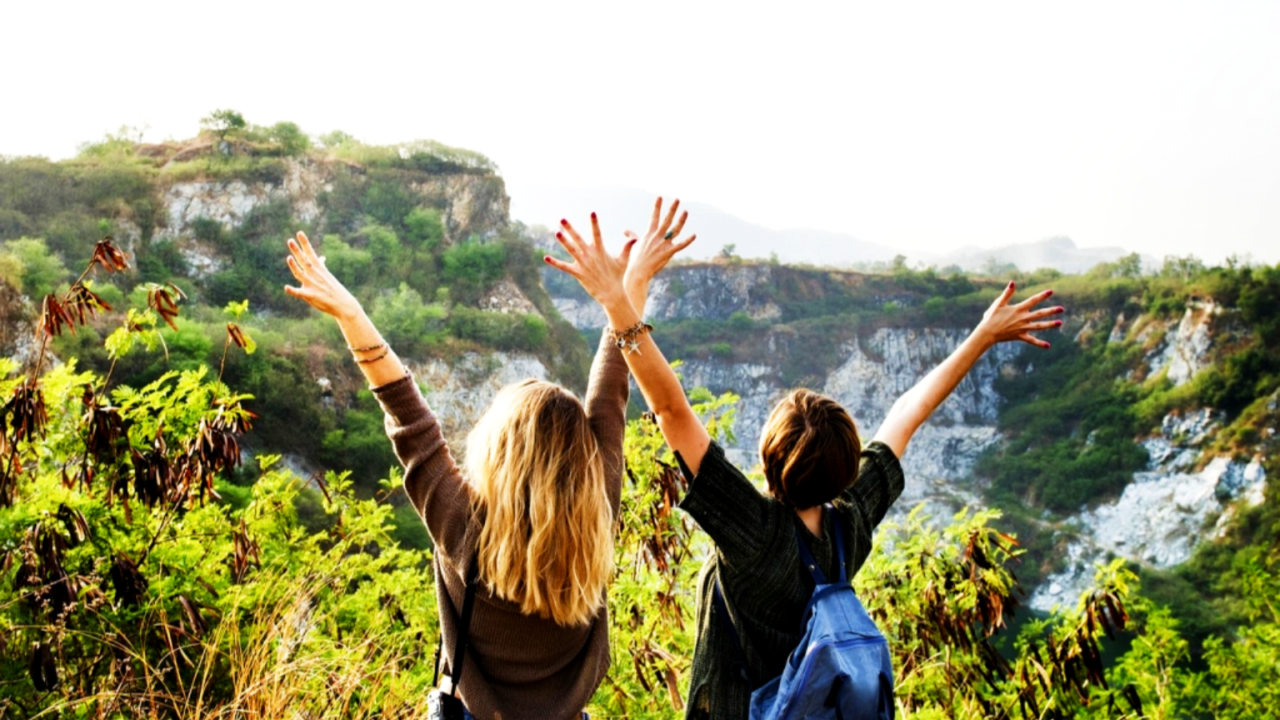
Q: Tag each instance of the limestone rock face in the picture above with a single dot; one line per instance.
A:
(1185, 351)
(460, 392)
(1161, 516)
(473, 203)
(712, 292)
(582, 314)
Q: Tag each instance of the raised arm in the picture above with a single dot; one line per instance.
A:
(322, 291)
(431, 478)
(613, 282)
(1001, 323)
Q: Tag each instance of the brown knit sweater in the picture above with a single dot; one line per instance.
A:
(517, 666)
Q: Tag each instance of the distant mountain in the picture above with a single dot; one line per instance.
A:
(622, 208)
(1059, 253)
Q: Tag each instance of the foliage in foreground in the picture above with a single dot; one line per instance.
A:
(139, 581)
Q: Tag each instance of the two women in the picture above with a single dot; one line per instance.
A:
(812, 457)
(534, 516)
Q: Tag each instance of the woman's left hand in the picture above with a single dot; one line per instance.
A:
(599, 272)
(658, 246)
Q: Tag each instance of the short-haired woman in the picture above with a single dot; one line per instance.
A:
(534, 512)
(812, 456)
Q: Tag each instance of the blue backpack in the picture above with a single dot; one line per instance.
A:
(840, 669)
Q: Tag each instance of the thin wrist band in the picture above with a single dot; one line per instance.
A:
(375, 358)
(369, 348)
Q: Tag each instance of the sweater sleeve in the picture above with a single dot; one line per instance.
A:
(879, 484)
(730, 509)
(606, 405)
(432, 479)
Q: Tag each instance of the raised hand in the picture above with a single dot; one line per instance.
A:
(1003, 322)
(656, 248)
(319, 288)
(599, 272)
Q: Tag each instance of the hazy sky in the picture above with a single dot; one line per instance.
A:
(923, 126)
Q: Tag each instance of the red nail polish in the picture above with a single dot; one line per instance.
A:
(1012, 285)
(564, 222)
(1060, 309)
(1049, 294)
(593, 216)
(1059, 323)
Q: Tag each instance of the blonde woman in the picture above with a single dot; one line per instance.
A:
(534, 510)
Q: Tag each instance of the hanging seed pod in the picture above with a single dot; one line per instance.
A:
(54, 316)
(245, 551)
(43, 668)
(106, 428)
(196, 626)
(75, 523)
(84, 304)
(128, 582)
(111, 258)
(24, 417)
(237, 336)
(164, 300)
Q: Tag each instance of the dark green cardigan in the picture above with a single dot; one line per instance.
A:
(758, 564)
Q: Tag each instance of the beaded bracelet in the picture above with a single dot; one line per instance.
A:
(629, 340)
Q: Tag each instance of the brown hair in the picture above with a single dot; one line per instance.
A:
(810, 450)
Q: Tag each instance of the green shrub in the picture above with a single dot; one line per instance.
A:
(473, 263)
(408, 323)
(39, 270)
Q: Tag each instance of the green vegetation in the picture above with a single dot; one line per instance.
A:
(381, 223)
(143, 571)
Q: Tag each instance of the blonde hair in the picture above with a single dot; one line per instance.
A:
(546, 541)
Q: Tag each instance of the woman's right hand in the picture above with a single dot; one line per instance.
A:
(1004, 322)
(599, 273)
(319, 288)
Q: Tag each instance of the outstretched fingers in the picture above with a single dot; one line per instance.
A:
(657, 215)
(666, 222)
(675, 231)
(1033, 340)
(1005, 296)
(570, 268)
(1035, 300)
(1043, 325)
(570, 239)
(1045, 312)
(678, 246)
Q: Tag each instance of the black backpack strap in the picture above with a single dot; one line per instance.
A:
(838, 537)
(464, 628)
(722, 609)
(806, 557)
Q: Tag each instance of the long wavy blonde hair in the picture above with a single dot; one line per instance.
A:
(547, 537)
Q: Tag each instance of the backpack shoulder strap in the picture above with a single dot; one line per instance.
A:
(464, 628)
(806, 557)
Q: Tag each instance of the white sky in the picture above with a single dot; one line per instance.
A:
(923, 126)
